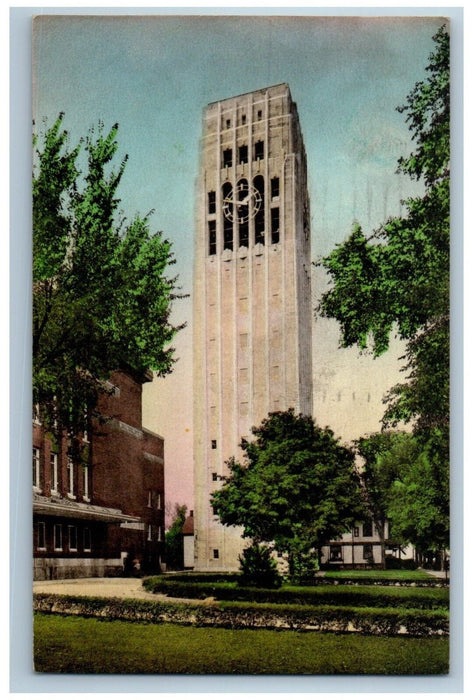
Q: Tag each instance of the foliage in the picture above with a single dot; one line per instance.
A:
(399, 278)
(258, 567)
(101, 295)
(244, 614)
(296, 488)
(175, 540)
(370, 594)
(404, 479)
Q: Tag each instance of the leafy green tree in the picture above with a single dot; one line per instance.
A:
(174, 540)
(102, 296)
(399, 277)
(295, 489)
(385, 455)
(403, 481)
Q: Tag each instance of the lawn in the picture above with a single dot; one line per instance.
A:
(79, 645)
(384, 574)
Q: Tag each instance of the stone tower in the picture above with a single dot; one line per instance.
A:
(252, 292)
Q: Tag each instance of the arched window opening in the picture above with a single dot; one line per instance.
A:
(258, 184)
(228, 213)
(243, 212)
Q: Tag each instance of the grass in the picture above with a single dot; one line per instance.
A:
(386, 574)
(79, 645)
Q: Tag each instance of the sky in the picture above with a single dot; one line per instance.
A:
(155, 74)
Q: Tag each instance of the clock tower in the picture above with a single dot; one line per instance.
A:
(252, 292)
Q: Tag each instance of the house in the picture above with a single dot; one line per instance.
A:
(102, 514)
(361, 548)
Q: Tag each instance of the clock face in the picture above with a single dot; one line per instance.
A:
(242, 203)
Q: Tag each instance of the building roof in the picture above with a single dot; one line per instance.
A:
(188, 527)
(62, 507)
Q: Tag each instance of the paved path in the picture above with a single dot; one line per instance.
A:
(106, 588)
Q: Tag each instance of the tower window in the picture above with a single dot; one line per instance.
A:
(213, 444)
(216, 554)
(211, 201)
(228, 123)
(227, 219)
(243, 118)
(243, 154)
(260, 114)
(259, 150)
(227, 158)
(275, 225)
(214, 476)
(212, 237)
(274, 187)
(258, 183)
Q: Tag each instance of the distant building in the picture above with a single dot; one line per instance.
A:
(362, 548)
(102, 515)
(188, 536)
(252, 292)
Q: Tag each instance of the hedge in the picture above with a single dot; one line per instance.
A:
(389, 621)
(354, 596)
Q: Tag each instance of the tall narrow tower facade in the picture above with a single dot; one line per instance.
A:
(252, 292)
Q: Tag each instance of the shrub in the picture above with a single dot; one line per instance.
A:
(258, 568)
(405, 564)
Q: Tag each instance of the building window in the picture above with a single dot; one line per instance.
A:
(36, 418)
(356, 531)
(243, 154)
(212, 237)
(85, 474)
(54, 472)
(213, 444)
(214, 476)
(259, 150)
(87, 540)
(158, 501)
(260, 114)
(150, 533)
(258, 183)
(275, 225)
(41, 535)
(211, 202)
(216, 554)
(160, 533)
(243, 118)
(72, 529)
(227, 158)
(228, 123)
(58, 537)
(227, 220)
(335, 553)
(150, 499)
(368, 529)
(36, 467)
(70, 477)
(368, 551)
(274, 187)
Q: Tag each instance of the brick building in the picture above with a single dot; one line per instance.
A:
(102, 514)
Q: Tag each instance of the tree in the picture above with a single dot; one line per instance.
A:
(399, 279)
(385, 455)
(295, 489)
(101, 295)
(175, 539)
(402, 482)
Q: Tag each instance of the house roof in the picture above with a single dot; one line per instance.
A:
(188, 527)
